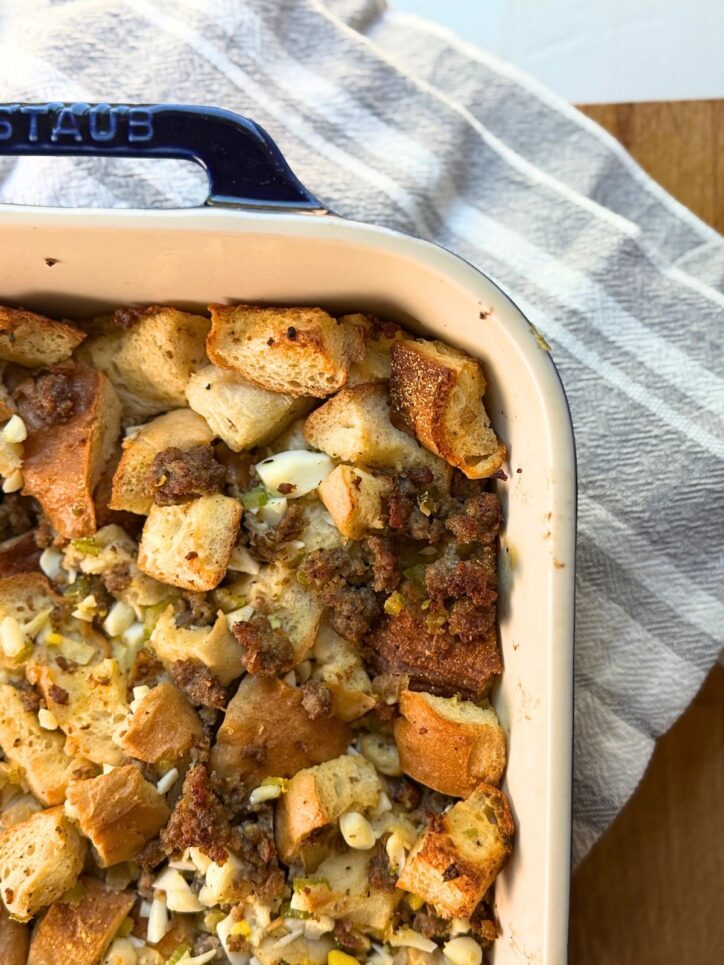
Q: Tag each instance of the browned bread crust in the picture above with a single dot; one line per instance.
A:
(119, 812)
(458, 857)
(33, 340)
(438, 662)
(472, 738)
(437, 393)
(79, 932)
(266, 716)
(164, 727)
(64, 461)
(298, 351)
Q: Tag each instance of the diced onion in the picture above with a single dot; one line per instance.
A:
(158, 923)
(120, 618)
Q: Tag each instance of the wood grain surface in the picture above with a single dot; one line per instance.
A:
(650, 891)
(679, 143)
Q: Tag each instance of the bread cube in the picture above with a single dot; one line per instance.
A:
(437, 393)
(47, 769)
(14, 940)
(164, 727)
(18, 809)
(318, 530)
(379, 337)
(89, 703)
(119, 812)
(23, 595)
(355, 500)
(354, 426)
(240, 412)
(34, 340)
(79, 932)
(301, 951)
(132, 482)
(40, 859)
(214, 646)
(63, 462)
(294, 609)
(473, 739)
(151, 362)
(458, 857)
(340, 668)
(298, 351)
(340, 888)
(317, 796)
(7, 406)
(189, 545)
(266, 715)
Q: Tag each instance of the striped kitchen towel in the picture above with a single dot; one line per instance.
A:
(395, 121)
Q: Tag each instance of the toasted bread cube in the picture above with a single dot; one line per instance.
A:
(63, 463)
(240, 412)
(40, 860)
(19, 554)
(355, 500)
(354, 426)
(437, 393)
(318, 530)
(340, 668)
(379, 337)
(298, 351)
(7, 404)
(267, 714)
(34, 340)
(18, 809)
(473, 739)
(214, 647)
(340, 888)
(23, 595)
(189, 545)
(294, 609)
(119, 812)
(474, 838)
(434, 659)
(89, 703)
(151, 362)
(80, 931)
(38, 753)
(164, 727)
(132, 483)
(317, 796)
(301, 951)
(14, 940)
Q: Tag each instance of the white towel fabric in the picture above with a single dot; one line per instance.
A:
(394, 121)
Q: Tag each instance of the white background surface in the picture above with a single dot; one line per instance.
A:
(593, 51)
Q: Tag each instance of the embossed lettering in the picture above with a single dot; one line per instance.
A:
(66, 125)
(103, 123)
(33, 113)
(140, 125)
(6, 128)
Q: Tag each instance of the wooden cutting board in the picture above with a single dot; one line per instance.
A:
(650, 891)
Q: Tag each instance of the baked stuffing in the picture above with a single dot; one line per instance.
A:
(247, 642)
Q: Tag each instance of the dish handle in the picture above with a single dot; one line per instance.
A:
(244, 165)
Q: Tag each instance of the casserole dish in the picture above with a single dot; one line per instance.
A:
(262, 237)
